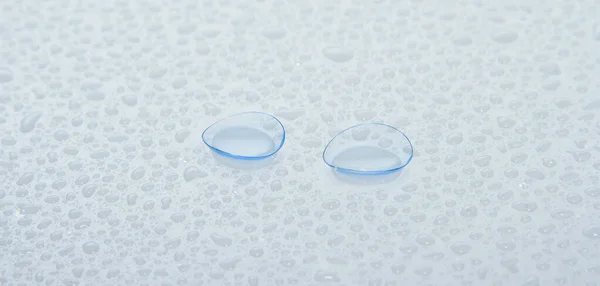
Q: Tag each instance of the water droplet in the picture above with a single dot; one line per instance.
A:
(173, 243)
(483, 161)
(441, 220)
(544, 146)
(398, 269)
(90, 247)
(593, 192)
(66, 250)
(461, 249)
(229, 264)
(28, 122)
(331, 204)
(244, 179)
(83, 223)
(506, 246)
(100, 154)
(6, 75)
(425, 239)
(505, 37)
(454, 138)
(88, 190)
(25, 179)
(425, 271)
(364, 115)
(322, 229)
(44, 224)
(338, 54)
(336, 240)
(524, 206)
(505, 122)
(519, 158)
(535, 174)
(562, 214)
(469, 211)
(178, 217)
(311, 142)
(575, 199)
(390, 210)
(547, 229)
(130, 99)
(507, 230)
(256, 252)
(274, 33)
(326, 276)
(462, 40)
(138, 173)
(592, 231)
(418, 217)
(221, 240)
(191, 173)
(95, 95)
(179, 82)
(28, 209)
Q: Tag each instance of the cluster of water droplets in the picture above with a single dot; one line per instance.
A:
(104, 178)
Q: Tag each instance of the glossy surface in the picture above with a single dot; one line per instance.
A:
(105, 179)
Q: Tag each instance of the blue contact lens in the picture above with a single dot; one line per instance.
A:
(368, 149)
(248, 136)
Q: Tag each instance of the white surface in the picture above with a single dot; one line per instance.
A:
(105, 181)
